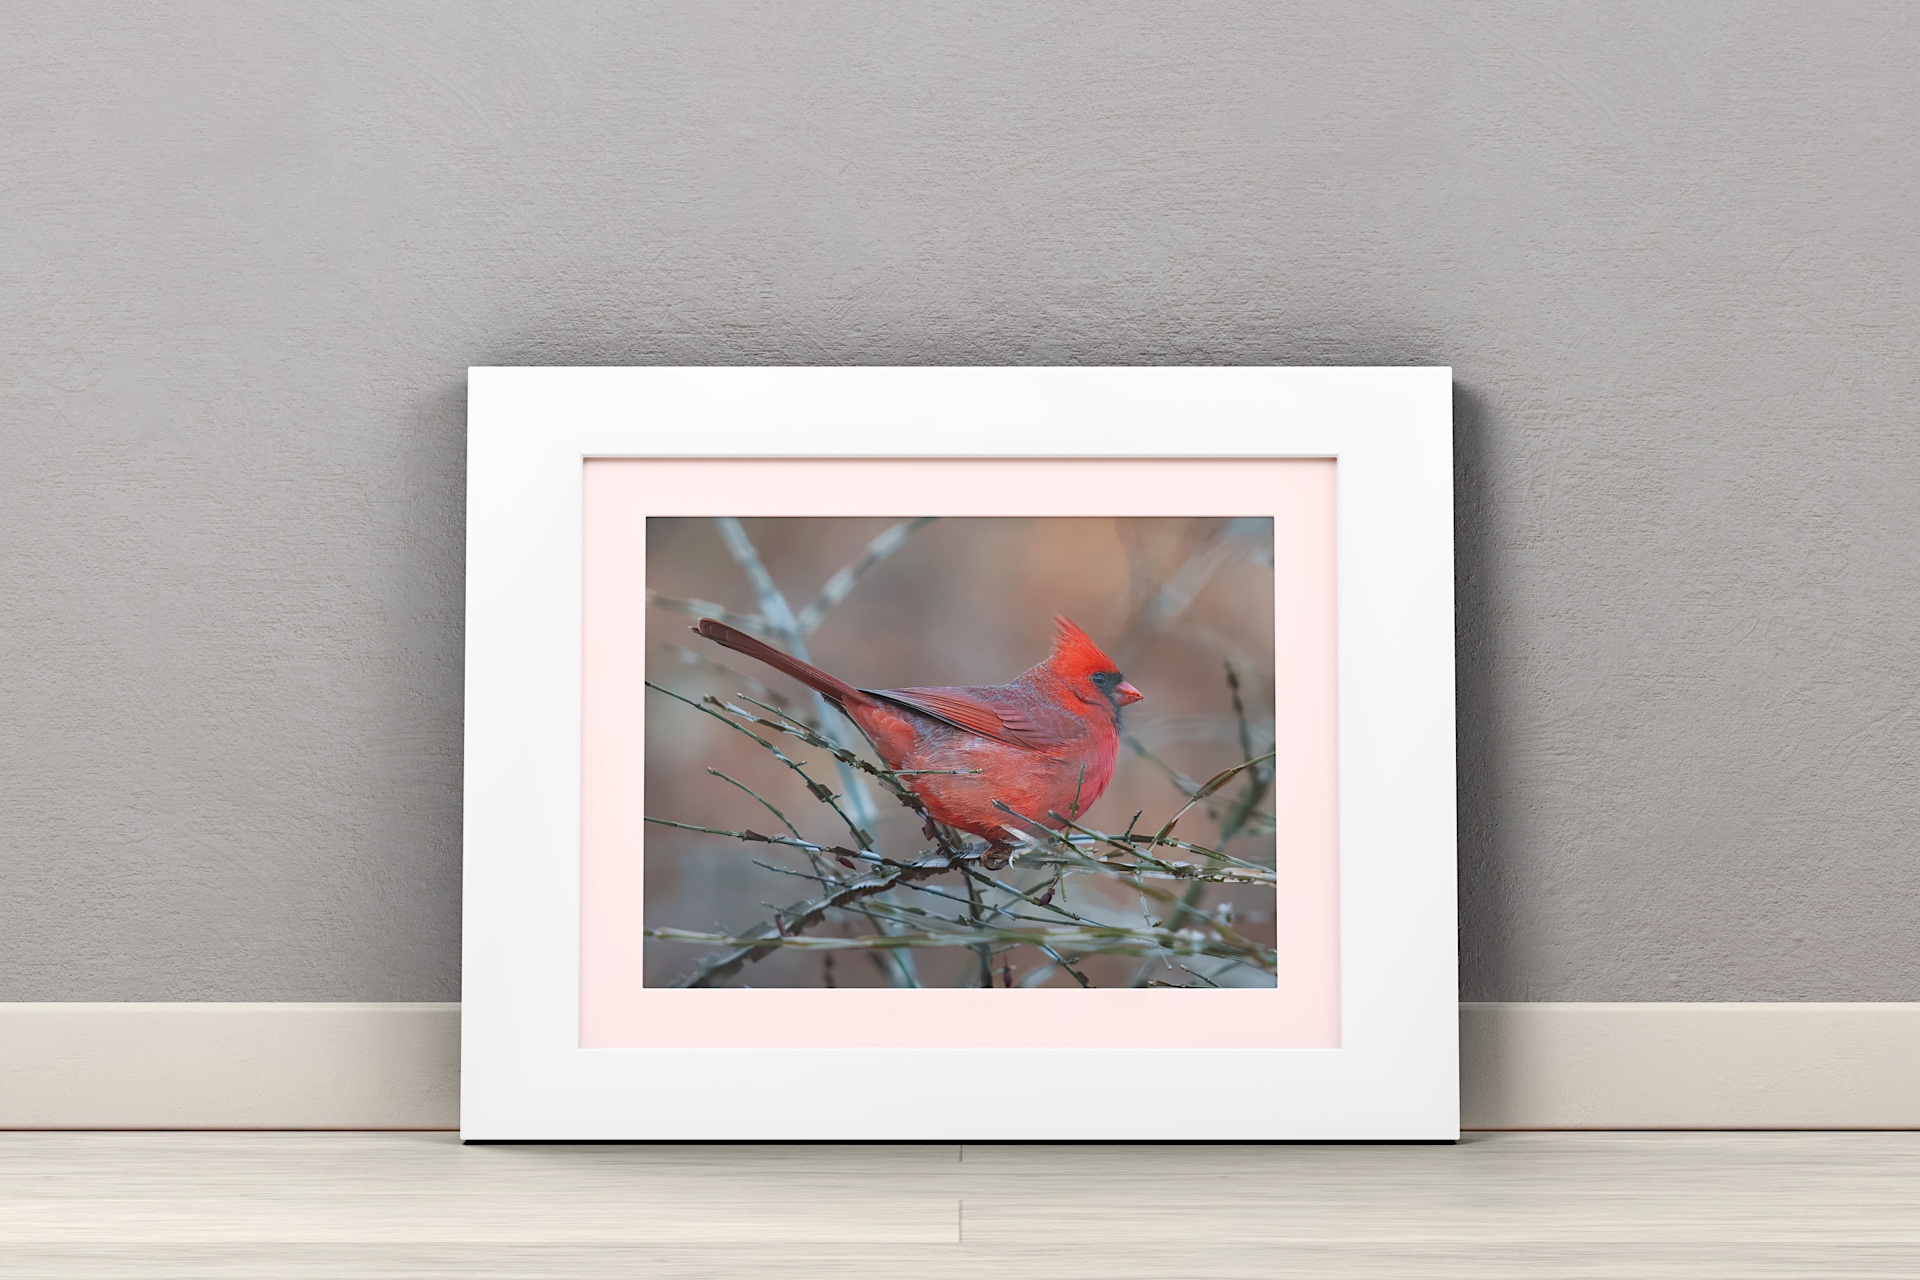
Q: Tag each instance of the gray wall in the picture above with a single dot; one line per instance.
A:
(249, 252)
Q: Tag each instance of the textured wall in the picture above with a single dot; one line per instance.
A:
(248, 252)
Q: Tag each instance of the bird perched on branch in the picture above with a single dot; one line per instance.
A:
(1010, 757)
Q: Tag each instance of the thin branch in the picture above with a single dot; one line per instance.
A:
(983, 951)
(891, 779)
(1038, 976)
(1123, 846)
(1061, 960)
(1031, 896)
(1239, 713)
(773, 602)
(737, 952)
(708, 609)
(1180, 588)
(779, 615)
(818, 790)
(696, 658)
(1235, 820)
(752, 836)
(1180, 872)
(841, 584)
(1139, 875)
(993, 912)
(1106, 939)
(1255, 820)
(1182, 783)
(1070, 856)
(785, 715)
(861, 909)
(1197, 974)
(794, 727)
(819, 864)
(1211, 785)
(1261, 781)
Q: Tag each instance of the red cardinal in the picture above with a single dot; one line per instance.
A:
(1044, 744)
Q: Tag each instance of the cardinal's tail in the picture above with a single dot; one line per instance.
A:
(811, 676)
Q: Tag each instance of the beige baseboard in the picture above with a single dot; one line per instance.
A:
(229, 1066)
(396, 1066)
(1690, 1066)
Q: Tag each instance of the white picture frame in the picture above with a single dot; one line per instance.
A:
(1394, 1075)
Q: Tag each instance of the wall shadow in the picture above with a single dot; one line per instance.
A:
(1486, 960)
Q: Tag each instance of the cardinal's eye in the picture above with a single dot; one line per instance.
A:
(1103, 678)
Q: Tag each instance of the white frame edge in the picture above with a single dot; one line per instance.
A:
(1395, 1075)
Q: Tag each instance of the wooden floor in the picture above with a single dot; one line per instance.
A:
(421, 1205)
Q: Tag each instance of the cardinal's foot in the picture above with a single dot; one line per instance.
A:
(996, 857)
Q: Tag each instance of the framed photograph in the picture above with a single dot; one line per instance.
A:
(959, 754)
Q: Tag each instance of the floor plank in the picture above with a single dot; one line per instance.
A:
(419, 1188)
(420, 1205)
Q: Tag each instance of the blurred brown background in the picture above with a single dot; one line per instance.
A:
(962, 601)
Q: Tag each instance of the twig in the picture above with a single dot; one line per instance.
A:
(888, 778)
(1061, 960)
(1180, 588)
(818, 864)
(984, 951)
(993, 912)
(819, 792)
(1180, 872)
(1182, 783)
(1211, 785)
(842, 582)
(1197, 974)
(1122, 845)
(1237, 814)
(708, 609)
(773, 602)
(1030, 896)
(1254, 819)
(1035, 977)
(788, 925)
(764, 802)
(1104, 938)
(1138, 875)
(1261, 781)
(1239, 713)
(692, 657)
(779, 615)
(862, 909)
(1157, 869)
(752, 836)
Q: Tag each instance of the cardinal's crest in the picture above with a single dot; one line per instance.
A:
(1074, 651)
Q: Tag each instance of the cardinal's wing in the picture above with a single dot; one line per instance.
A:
(973, 710)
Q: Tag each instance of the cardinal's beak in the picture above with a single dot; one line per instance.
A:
(1126, 694)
